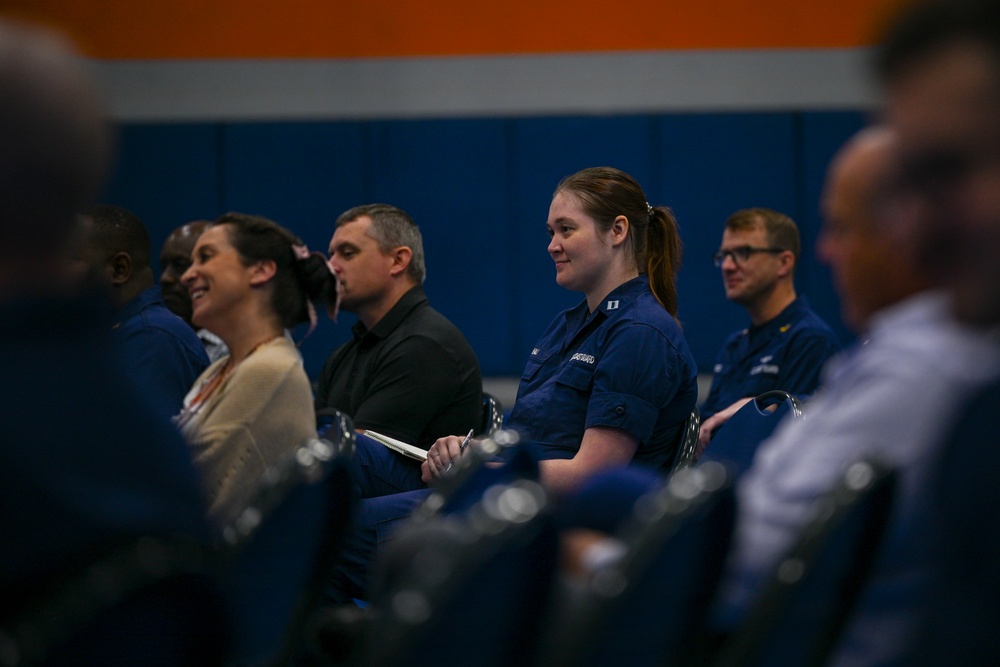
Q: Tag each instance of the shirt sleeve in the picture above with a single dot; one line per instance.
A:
(163, 364)
(638, 373)
(322, 398)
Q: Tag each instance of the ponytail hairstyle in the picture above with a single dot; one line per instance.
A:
(605, 193)
(301, 277)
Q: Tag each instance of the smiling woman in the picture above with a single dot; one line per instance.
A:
(250, 280)
(616, 368)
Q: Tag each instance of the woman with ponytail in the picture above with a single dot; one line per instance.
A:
(250, 280)
(611, 381)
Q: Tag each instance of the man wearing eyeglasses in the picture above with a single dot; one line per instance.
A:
(786, 344)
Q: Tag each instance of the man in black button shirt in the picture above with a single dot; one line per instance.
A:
(408, 373)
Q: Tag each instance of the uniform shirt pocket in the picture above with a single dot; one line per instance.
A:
(535, 363)
(577, 375)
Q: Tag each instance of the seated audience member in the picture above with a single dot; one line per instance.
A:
(615, 369)
(786, 344)
(250, 279)
(175, 258)
(611, 381)
(162, 353)
(408, 372)
(940, 66)
(84, 462)
(887, 398)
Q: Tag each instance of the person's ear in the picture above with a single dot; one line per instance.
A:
(619, 230)
(120, 268)
(786, 263)
(262, 271)
(401, 258)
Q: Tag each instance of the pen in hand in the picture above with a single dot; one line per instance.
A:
(461, 448)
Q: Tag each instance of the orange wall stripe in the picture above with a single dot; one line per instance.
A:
(120, 29)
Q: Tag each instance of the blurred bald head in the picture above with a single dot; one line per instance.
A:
(860, 239)
(54, 142)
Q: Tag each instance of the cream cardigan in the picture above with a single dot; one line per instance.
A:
(263, 410)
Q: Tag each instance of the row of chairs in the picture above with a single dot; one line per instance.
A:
(475, 578)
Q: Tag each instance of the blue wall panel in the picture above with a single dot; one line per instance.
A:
(167, 175)
(480, 191)
(451, 177)
(822, 134)
(709, 167)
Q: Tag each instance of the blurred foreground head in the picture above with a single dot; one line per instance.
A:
(940, 64)
(54, 154)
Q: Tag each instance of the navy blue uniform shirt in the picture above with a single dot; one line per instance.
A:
(161, 352)
(787, 352)
(85, 462)
(625, 366)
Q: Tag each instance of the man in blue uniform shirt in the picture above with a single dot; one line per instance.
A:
(163, 354)
(908, 378)
(786, 344)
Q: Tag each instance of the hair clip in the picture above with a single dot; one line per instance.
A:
(300, 251)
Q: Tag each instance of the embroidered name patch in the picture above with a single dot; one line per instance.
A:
(585, 358)
(768, 369)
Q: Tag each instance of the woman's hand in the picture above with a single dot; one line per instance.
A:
(440, 457)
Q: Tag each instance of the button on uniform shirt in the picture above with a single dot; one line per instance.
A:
(788, 353)
(625, 366)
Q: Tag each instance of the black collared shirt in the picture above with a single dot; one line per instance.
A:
(413, 376)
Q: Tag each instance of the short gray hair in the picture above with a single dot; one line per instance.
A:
(391, 228)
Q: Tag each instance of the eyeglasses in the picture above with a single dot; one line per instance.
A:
(740, 254)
